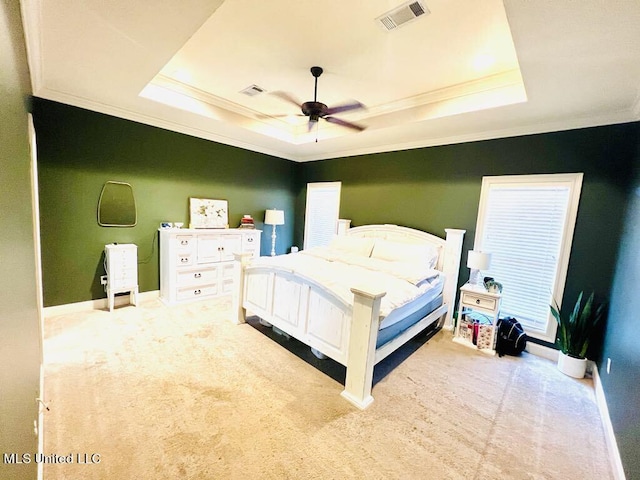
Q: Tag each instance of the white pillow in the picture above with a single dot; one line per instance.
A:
(356, 245)
(421, 254)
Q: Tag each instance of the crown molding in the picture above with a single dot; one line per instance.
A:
(629, 115)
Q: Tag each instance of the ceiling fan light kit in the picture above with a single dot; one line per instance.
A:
(316, 110)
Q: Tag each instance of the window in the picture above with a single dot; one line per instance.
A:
(526, 222)
(321, 213)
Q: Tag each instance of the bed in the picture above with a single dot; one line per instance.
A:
(358, 300)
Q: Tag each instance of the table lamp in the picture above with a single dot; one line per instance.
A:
(273, 217)
(477, 261)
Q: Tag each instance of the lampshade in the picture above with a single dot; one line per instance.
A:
(478, 260)
(274, 217)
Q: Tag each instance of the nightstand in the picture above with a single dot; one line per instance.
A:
(478, 312)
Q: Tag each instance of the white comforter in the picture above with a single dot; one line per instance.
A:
(339, 272)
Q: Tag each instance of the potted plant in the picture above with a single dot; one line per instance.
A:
(574, 334)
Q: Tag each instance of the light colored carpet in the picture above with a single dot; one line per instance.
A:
(181, 392)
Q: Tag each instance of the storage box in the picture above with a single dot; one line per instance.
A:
(465, 332)
(485, 337)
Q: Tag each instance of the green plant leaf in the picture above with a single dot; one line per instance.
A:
(575, 331)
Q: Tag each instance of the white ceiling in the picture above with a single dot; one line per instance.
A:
(181, 65)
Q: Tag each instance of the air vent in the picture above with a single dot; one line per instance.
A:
(402, 15)
(252, 90)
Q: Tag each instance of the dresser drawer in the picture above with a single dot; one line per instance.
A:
(122, 259)
(184, 259)
(197, 277)
(472, 300)
(197, 292)
(185, 242)
(227, 285)
(228, 270)
(125, 275)
(122, 281)
(250, 241)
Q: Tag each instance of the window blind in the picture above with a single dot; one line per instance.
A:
(526, 222)
(321, 213)
(523, 230)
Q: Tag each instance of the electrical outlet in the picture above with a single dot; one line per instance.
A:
(103, 280)
(608, 365)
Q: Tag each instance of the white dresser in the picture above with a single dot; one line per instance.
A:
(121, 265)
(198, 263)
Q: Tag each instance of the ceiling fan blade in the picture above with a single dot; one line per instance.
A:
(337, 121)
(345, 107)
(287, 97)
(266, 116)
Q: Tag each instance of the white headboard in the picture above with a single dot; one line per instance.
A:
(395, 233)
(450, 249)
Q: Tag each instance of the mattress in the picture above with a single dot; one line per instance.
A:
(404, 317)
(338, 273)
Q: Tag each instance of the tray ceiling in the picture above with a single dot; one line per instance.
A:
(465, 70)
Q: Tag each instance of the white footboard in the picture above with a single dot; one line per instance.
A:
(309, 312)
(299, 307)
(347, 333)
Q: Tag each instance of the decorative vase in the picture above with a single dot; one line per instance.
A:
(571, 366)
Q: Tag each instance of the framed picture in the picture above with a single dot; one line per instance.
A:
(208, 213)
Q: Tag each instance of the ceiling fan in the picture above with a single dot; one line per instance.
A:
(316, 110)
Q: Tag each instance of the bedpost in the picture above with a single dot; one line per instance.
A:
(451, 269)
(365, 323)
(241, 261)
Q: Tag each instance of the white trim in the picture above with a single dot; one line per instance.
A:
(542, 351)
(99, 304)
(614, 118)
(624, 116)
(37, 251)
(574, 182)
(30, 11)
(41, 410)
(609, 435)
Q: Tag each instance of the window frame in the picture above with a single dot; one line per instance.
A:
(571, 180)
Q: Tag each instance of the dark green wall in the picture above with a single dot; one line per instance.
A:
(20, 352)
(439, 187)
(622, 384)
(79, 150)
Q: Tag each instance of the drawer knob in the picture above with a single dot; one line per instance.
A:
(477, 301)
(197, 275)
(197, 292)
(184, 242)
(250, 239)
(184, 260)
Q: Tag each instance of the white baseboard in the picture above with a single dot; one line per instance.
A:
(610, 438)
(542, 351)
(100, 304)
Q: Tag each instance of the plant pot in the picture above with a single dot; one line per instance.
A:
(571, 366)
